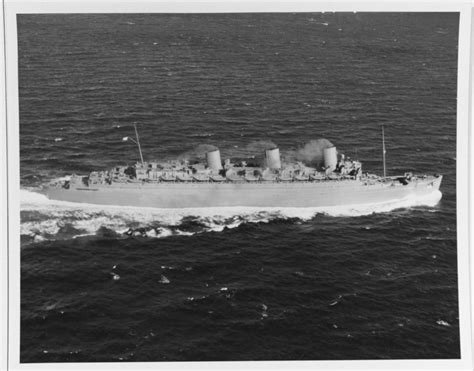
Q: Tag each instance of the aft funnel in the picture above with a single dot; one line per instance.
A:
(330, 158)
(213, 159)
(272, 157)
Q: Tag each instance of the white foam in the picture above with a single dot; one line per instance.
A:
(88, 218)
(83, 235)
(182, 233)
(164, 232)
(151, 233)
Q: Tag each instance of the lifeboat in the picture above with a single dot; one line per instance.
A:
(201, 178)
(251, 178)
(184, 177)
(285, 178)
(317, 177)
(269, 178)
(301, 178)
(234, 178)
(217, 178)
(168, 177)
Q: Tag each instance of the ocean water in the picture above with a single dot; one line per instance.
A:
(127, 284)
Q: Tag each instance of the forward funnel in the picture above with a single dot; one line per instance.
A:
(213, 159)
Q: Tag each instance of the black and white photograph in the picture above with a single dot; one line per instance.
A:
(239, 186)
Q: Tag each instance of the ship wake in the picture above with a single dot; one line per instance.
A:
(44, 219)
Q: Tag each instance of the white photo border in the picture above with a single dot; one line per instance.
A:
(10, 206)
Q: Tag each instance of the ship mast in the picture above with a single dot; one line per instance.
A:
(138, 143)
(383, 151)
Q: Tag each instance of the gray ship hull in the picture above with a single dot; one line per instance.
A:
(261, 194)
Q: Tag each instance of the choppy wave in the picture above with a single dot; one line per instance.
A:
(42, 218)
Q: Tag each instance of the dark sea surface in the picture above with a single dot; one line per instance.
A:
(124, 284)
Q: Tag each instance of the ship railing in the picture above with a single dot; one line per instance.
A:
(310, 179)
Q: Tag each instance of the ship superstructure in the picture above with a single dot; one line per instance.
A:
(216, 171)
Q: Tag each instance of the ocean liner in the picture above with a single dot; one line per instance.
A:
(336, 181)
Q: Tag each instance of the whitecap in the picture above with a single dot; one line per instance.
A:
(83, 235)
(164, 279)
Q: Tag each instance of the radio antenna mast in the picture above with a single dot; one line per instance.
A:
(138, 143)
(383, 151)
